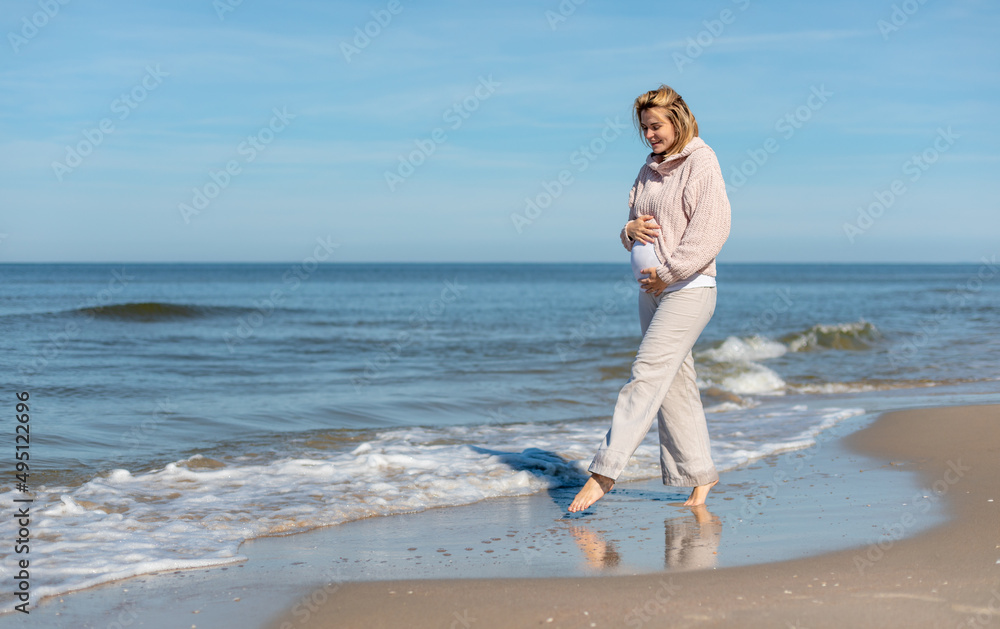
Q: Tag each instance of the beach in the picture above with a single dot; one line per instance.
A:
(928, 558)
(323, 317)
(947, 576)
(193, 443)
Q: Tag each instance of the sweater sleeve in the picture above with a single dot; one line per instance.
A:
(631, 211)
(625, 240)
(709, 218)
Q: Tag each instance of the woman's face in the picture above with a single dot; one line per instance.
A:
(659, 131)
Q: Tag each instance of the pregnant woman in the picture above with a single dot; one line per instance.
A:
(678, 221)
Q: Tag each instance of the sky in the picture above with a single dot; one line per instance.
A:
(395, 131)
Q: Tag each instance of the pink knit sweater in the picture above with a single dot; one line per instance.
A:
(686, 195)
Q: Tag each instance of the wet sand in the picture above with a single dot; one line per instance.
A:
(914, 497)
(946, 576)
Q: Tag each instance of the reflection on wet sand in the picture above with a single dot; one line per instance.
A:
(692, 541)
(598, 552)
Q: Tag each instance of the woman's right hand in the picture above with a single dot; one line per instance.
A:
(642, 229)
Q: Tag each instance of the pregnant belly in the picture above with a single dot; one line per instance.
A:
(643, 257)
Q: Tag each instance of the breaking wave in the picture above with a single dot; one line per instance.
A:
(859, 335)
(152, 311)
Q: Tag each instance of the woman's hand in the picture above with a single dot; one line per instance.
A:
(642, 229)
(652, 283)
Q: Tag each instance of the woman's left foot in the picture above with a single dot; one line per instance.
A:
(699, 494)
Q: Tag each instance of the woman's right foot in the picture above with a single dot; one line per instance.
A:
(593, 490)
(699, 493)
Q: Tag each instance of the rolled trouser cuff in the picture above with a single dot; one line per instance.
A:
(697, 480)
(609, 463)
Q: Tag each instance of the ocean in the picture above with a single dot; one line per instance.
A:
(176, 410)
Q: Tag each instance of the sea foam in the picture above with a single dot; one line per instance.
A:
(195, 512)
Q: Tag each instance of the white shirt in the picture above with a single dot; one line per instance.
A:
(644, 257)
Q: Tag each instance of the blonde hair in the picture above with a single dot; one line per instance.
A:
(676, 111)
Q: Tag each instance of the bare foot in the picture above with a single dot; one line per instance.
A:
(699, 493)
(593, 490)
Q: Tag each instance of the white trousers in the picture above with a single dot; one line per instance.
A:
(664, 385)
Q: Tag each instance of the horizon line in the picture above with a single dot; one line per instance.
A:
(480, 262)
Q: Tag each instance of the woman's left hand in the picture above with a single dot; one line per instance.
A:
(652, 283)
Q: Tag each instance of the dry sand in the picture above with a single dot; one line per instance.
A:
(948, 576)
